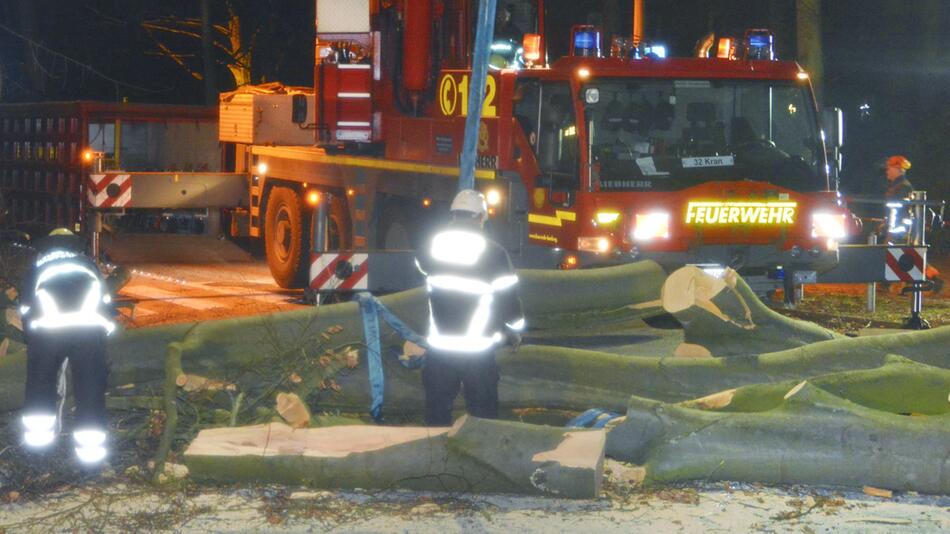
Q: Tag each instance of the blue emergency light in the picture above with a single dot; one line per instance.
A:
(586, 42)
(759, 44)
(657, 51)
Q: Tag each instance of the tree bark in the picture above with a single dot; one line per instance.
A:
(475, 455)
(812, 437)
(900, 386)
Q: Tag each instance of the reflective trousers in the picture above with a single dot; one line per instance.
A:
(86, 349)
(445, 372)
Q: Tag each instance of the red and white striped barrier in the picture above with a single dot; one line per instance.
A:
(905, 264)
(110, 190)
(339, 271)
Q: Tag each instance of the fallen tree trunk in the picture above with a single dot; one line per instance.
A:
(900, 386)
(723, 316)
(813, 437)
(475, 455)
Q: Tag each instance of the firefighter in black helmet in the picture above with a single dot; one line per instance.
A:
(473, 308)
(66, 310)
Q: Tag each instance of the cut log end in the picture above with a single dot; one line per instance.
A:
(716, 401)
(687, 287)
(691, 350)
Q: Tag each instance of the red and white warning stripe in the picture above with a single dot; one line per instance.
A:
(905, 264)
(325, 269)
(109, 190)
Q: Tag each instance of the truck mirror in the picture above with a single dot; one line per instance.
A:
(299, 109)
(832, 123)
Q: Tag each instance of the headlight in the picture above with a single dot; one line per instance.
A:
(493, 197)
(828, 225)
(651, 226)
(593, 244)
(607, 217)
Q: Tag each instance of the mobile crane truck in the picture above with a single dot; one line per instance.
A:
(610, 154)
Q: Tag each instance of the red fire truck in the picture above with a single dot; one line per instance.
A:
(608, 155)
(595, 158)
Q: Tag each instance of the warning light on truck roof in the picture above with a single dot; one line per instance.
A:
(532, 47)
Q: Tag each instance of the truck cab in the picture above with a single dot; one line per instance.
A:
(682, 160)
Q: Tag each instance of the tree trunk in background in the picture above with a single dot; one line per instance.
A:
(932, 57)
(808, 25)
(781, 19)
(207, 55)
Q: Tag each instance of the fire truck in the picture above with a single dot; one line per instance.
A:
(608, 155)
(611, 154)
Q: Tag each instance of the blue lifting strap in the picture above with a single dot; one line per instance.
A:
(593, 418)
(370, 310)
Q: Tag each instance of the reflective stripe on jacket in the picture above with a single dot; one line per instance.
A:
(472, 289)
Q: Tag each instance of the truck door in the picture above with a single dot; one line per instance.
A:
(556, 146)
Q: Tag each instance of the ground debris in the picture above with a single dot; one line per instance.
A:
(878, 492)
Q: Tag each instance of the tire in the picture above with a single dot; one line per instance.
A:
(287, 237)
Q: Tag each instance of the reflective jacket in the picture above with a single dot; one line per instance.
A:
(65, 290)
(473, 292)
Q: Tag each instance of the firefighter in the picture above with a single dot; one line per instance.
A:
(898, 186)
(473, 308)
(896, 226)
(66, 310)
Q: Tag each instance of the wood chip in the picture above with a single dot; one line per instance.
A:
(878, 492)
(352, 358)
(798, 387)
(293, 410)
(295, 378)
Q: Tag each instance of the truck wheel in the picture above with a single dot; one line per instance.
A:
(287, 237)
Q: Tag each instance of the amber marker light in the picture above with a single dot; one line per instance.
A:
(87, 155)
(532, 47)
(350, 192)
(313, 198)
(426, 202)
(583, 73)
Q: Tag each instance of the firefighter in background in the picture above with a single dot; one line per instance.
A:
(898, 227)
(66, 310)
(898, 186)
(473, 308)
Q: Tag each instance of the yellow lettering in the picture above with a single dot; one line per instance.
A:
(733, 214)
(765, 213)
(788, 217)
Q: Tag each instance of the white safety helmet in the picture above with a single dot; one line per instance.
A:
(471, 201)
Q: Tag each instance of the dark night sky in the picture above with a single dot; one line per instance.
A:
(890, 54)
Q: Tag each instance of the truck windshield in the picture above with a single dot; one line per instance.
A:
(666, 135)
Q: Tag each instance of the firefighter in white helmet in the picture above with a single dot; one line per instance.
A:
(474, 307)
(66, 310)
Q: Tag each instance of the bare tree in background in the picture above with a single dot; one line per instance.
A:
(169, 31)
